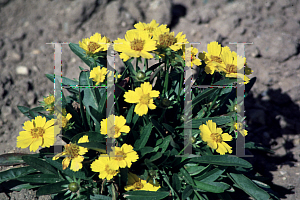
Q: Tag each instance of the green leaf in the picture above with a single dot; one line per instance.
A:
(15, 173)
(149, 195)
(146, 150)
(249, 187)
(145, 134)
(194, 170)
(57, 164)
(169, 128)
(186, 176)
(99, 197)
(197, 122)
(129, 114)
(225, 82)
(176, 184)
(156, 156)
(52, 188)
(158, 127)
(40, 165)
(202, 95)
(24, 186)
(164, 145)
(212, 175)
(222, 160)
(252, 145)
(97, 146)
(40, 178)
(11, 159)
(65, 81)
(209, 187)
(187, 192)
(81, 54)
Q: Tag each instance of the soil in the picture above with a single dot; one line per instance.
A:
(272, 108)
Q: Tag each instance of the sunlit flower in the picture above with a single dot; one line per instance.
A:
(230, 66)
(135, 183)
(150, 27)
(73, 152)
(194, 60)
(113, 126)
(104, 166)
(64, 119)
(124, 156)
(143, 96)
(239, 127)
(164, 38)
(48, 103)
(136, 43)
(38, 132)
(94, 44)
(98, 74)
(212, 58)
(214, 137)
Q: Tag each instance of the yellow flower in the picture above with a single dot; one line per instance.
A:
(194, 52)
(113, 126)
(136, 43)
(124, 156)
(143, 96)
(239, 127)
(104, 166)
(248, 70)
(49, 100)
(94, 44)
(165, 39)
(73, 152)
(215, 138)
(212, 58)
(64, 119)
(98, 74)
(230, 65)
(37, 133)
(150, 27)
(135, 183)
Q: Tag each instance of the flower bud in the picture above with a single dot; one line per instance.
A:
(140, 75)
(73, 187)
(193, 140)
(237, 108)
(166, 102)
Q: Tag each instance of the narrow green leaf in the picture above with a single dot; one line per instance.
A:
(212, 175)
(209, 187)
(129, 114)
(222, 160)
(58, 164)
(100, 197)
(158, 127)
(97, 146)
(65, 81)
(15, 173)
(24, 186)
(40, 165)
(197, 122)
(81, 54)
(149, 195)
(52, 188)
(186, 176)
(156, 156)
(40, 178)
(145, 134)
(165, 144)
(11, 159)
(146, 150)
(176, 184)
(206, 93)
(187, 192)
(249, 187)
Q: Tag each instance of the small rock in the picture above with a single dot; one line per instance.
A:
(35, 52)
(5, 111)
(22, 70)
(13, 56)
(255, 53)
(282, 172)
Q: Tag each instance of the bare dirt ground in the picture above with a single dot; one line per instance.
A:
(272, 109)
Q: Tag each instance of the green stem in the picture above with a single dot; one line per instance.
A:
(180, 86)
(166, 179)
(183, 148)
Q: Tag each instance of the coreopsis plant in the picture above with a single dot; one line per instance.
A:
(137, 147)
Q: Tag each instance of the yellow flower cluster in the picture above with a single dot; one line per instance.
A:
(221, 59)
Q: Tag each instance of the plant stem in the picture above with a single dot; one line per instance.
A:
(166, 75)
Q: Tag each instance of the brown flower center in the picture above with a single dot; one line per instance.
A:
(93, 46)
(113, 130)
(137, 44)
(72, 150)
(216, 59)
(120, 155)
(138, 185)
(231, 68)
(37, 132)
(145, 99)
(216, 137)
(166, 39)
(109, 170)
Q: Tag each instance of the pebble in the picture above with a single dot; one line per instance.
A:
(22, 70)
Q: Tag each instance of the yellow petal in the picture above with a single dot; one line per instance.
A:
(28, 125)
(76, 163)
(36, 144)
(141, 109)
(83, 139)
(66, 162)
(226, 137)
(132, 97)
(40, 121)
